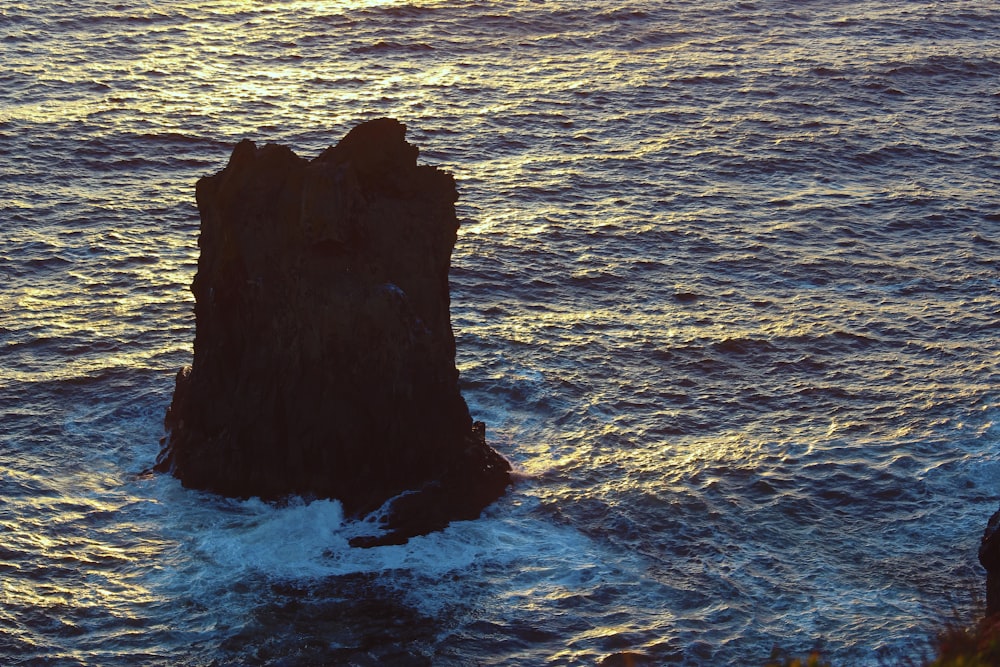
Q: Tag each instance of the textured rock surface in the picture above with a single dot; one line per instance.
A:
(324, 359)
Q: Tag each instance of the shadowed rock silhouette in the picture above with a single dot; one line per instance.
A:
(324, 358)
(989, 557)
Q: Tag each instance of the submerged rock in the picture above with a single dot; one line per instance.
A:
(324, 359)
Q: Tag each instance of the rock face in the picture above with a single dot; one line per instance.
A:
(989, 556)
(324, 359)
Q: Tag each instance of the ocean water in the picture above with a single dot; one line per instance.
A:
(726, 293)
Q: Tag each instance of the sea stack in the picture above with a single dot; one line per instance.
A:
(324, 358)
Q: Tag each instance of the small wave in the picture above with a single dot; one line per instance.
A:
(828, 72)
(405, 10)
(710, 79)
(741, 346)
(903, 151)
(393, 47)
(936, 65)
(623, 14)
(687, 297)
(837, 341)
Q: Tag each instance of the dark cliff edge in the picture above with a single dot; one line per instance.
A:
(989, 557)
(324, 358)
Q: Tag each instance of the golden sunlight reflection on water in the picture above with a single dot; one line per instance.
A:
(714, 293)
(66, 535)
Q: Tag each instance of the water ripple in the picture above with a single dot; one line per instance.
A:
(725, 292)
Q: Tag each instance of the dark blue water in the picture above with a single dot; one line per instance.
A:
(726, 293)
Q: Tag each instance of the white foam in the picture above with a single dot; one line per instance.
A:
(311, 539)
(511, 550)
(287, 541)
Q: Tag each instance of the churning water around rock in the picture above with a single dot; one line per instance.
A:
(726, 293)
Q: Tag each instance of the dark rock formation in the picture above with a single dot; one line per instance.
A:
(989, 556)
(324, 359)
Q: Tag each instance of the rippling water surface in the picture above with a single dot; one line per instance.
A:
(726, 293)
